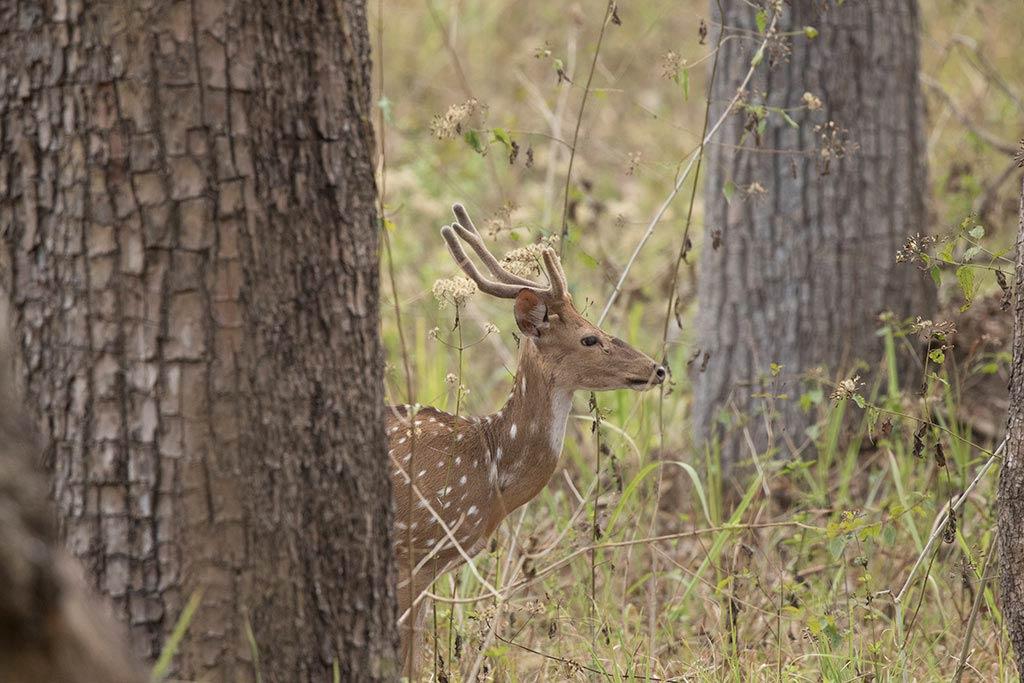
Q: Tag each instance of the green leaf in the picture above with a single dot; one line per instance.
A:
(683, 78)
(762, 21)
(977, 232)
(762, 125)
(947, 252)
(965, 278)
(759, 57)
(472, 139)
(937, 356)
(859, 400)
(728, 190)
(501, 135)
(810, 32)
(971, 252)
(788, 119)
(936, 276)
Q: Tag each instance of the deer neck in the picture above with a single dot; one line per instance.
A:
(526, 436)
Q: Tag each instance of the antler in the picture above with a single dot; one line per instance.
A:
(507, 285)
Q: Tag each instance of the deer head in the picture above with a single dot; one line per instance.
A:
(578, 354)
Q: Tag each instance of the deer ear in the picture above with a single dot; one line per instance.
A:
(531, 313)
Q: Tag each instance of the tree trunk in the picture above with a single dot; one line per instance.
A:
(187, 206)
(51, 628)
(1011, 477)
(800, 259)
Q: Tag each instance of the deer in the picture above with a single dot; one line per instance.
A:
(455, 478)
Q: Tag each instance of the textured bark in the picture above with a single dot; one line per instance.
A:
(190, 245)
(51, 628)
(1011, 477)
(804, 268)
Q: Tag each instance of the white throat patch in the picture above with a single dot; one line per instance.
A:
(561, 404)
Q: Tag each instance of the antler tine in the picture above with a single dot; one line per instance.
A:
(502, 290)
(559, 287)
(464, 226)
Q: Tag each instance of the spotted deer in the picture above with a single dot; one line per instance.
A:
(455, 478)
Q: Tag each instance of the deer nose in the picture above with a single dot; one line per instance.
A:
(660, 372)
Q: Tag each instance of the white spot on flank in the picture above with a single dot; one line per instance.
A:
(463, 480)
(458, 460)
(440, 464)
(400, 525)
(391, 452)
(445, 491)
(458, 437)
(471, 511)
(402, 440)
(498, 457)
(431, 541)
(512, 432)
(418, 422)
(414, 525)
(522, 386)
(422, 472)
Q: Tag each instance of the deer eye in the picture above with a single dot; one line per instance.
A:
(589, 340)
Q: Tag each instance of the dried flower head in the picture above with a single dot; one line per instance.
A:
(778, 48)
(526, 261)
(501, 221)
(454, 291)
(812, 102)
(928, 330)
(755, 190)
(846, 388)
(634, 163)
(450, 124)
(451, 379)
(915, 246)
(671, 63)
(491, 328)
(833, 143)
(434, 333)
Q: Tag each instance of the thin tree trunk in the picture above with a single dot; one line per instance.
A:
(187, 203)
(1011, 477)
(800, 261)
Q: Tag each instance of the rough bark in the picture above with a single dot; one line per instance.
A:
(1011, 477)
(187, 206)
(51, 628)
(806, 259)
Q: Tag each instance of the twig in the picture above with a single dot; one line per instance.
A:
(940, 521)
(579, 120)
(693, 156)
(975, 608)
(986, 136)
(507, 591)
